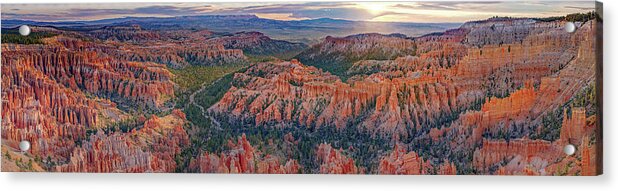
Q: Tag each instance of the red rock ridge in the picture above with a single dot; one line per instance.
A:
(132, 33)
(333, 161)
(574, 127)
(149, 149)
(176, 49)
(48, 93)
(363, 43)
(243, 158)
(147, 83)
(411, 91)
(402, 162)
(269, 93)
(496, 151)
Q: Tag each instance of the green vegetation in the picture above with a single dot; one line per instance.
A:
(338, 63)
(206, 98)
(13, 36)
(215, 91)
(367, 147)
(125, 125)
(581, 17)
(191, 78)
(575, 17)
(361, 145)
(24, 166)
(270, 48)
(552, 121)
(7, 155)
(587, 98)
(257, 58)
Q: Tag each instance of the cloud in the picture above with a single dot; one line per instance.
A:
(448, 5)
(580, 8)
(465, 10)
(98, 13)
(439, 11)
(337, 10)
(148, 10)
(28, 16)
(424, 6)
(336, 13)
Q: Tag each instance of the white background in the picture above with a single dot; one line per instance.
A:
(95, 182)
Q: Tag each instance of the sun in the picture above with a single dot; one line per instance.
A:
(374, 8)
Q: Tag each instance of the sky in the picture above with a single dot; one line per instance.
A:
(423, 12)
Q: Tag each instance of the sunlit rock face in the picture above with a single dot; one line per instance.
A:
(359, 45)
(177, 49)
(149, 149)
(333, 161)
(402, 162)
(66, 62)
(243, 158)
(337, 54)
(54, 92)
(180, 48)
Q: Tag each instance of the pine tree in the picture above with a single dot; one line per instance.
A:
(30, 164)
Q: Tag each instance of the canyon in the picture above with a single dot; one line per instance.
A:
(498, 96)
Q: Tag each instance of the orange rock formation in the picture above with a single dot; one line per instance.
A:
(243, 158)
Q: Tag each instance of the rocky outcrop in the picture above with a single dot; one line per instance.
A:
(77, 69)
(258, 44)
(388, 46)
(287, 93)
(493, 152)
(53, 93)
(181, 55)
(131, 33)
(175, 48)
(336, 55)
(399, 161)
(588, 158)
(501, 30)
(152, 148)
(447, 168)
(196, 47)
(333, 161)
(402, 162)
(243, 158)
(573, 127)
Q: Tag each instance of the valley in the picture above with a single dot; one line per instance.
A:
(185, 94)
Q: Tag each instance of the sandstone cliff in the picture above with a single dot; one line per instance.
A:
(152, 148)
(333, 161)
(53, 93)
(243, 158)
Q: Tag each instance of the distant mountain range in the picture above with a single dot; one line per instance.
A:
(306, 31)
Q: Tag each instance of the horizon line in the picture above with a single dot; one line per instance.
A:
(257, 16)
